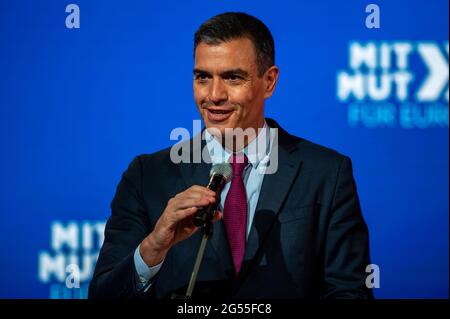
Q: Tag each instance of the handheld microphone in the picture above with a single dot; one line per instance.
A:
(220, 174)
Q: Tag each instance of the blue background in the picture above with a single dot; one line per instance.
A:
(77, 105)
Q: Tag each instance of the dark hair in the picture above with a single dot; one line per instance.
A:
(234, 25)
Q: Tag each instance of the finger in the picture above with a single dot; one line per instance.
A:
(190, 202)
(217, 216)
(195, 195)
(195, 192)
(184, 213)
(201, 189)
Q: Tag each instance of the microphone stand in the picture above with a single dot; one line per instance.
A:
(203, 219)
(207, 232)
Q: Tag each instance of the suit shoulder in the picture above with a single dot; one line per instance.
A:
(319, 156)
(154, 161)
(158, 156)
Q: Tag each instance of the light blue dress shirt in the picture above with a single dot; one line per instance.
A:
(257, 152)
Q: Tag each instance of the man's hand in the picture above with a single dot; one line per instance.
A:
(175, 224)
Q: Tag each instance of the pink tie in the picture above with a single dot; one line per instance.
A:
(235, 211)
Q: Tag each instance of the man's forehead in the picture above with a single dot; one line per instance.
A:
(233, 54)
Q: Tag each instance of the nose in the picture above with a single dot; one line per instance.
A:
(217, 92)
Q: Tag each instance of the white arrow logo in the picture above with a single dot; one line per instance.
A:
(437, 78)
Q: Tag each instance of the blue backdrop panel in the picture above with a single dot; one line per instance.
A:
(77, 104)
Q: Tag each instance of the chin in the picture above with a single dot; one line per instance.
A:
(217, 127)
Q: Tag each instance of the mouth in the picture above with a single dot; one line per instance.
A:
(218, 115)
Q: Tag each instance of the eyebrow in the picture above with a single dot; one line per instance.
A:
(238, 71)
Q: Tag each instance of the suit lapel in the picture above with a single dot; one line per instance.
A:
(273, 193)
(198, 174)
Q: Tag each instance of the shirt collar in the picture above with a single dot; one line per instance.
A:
(257, 151)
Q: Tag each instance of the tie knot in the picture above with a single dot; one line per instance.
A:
(238, 163)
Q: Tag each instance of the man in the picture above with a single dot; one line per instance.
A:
(297, 232)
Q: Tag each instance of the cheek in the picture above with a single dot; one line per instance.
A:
(248, 99)
(197, 99)
(243, 96)
(199, 93)
(196, 93)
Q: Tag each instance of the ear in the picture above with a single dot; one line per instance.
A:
(270, 81)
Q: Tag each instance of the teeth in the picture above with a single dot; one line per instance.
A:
(219, 112)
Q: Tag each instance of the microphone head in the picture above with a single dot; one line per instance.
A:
(223, 169)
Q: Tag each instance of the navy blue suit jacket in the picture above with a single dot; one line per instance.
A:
(308, 238)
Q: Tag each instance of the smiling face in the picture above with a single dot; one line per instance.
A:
(228, 90)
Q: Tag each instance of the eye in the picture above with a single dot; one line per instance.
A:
(233, 78)
(201, 77)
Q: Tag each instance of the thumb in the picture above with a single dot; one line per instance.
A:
(217, 215)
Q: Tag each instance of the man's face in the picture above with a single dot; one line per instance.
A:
(227, 89)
